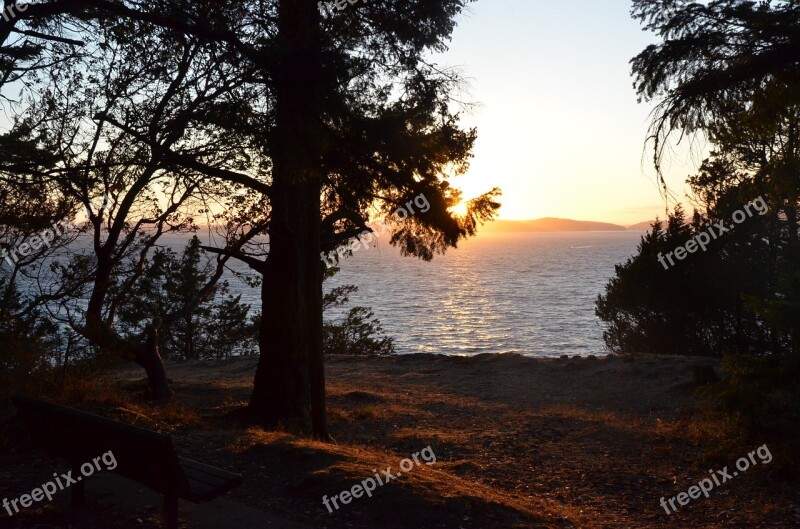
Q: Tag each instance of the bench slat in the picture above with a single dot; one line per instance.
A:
(201, 490)
(200, 477)
(203, 468)
(203, 487)
(207, 482)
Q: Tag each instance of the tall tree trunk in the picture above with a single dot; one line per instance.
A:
(319, 421)
(281, 386)
(290, 376)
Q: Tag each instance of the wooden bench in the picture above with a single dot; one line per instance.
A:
(141, 455)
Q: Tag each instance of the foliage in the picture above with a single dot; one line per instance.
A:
(715, 58)
(306, 128)
(727, 69)
(218, 327)
(359, 333)
(30, 344)
(692, 308)
(763, 390)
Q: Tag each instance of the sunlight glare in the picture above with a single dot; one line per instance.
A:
(460, 209)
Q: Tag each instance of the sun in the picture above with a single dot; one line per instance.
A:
(460, 209)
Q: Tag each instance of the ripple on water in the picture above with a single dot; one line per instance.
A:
(530, 293)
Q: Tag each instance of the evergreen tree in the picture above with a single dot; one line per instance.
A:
(217, 327)
(324, 121)
(30, 344)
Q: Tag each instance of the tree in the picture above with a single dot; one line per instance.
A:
(697, 306)
(730, 71)
(343, 142)
(31, 344)
(172, 99)
(218, 327)
(714, 59)
(342, 136)
(342, 119)
(31, 233)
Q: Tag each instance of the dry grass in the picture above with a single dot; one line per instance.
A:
(520, 443)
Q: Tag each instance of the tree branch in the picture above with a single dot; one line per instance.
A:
(252, 262)
(190, 162)
(45, 36)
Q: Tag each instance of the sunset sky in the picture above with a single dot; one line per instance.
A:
(560, 129)
(559, 126)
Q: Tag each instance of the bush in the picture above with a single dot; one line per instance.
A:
(359, 334)
(30, 344)
(701, 306)
(763, 391)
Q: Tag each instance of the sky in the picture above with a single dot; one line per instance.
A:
(559, 126)
(560, 130)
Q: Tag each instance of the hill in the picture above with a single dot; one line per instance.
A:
(642, 226)
(549, 224)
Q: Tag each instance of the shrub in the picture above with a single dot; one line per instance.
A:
(30, 344)
(763, 391)
(359, 333)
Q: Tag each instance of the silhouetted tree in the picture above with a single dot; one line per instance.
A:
(93, 112)
(338, 120)
(729, 70)
(218, 327)
(714, 59)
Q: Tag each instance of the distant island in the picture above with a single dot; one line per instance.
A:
(642, 226)
(551, 224)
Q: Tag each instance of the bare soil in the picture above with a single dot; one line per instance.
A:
(519, 443)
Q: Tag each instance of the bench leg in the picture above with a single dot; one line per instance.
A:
(171, 508)
(78, 490)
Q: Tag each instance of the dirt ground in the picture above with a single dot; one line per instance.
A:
(519, 443)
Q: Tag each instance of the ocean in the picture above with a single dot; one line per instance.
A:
(527, 293)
